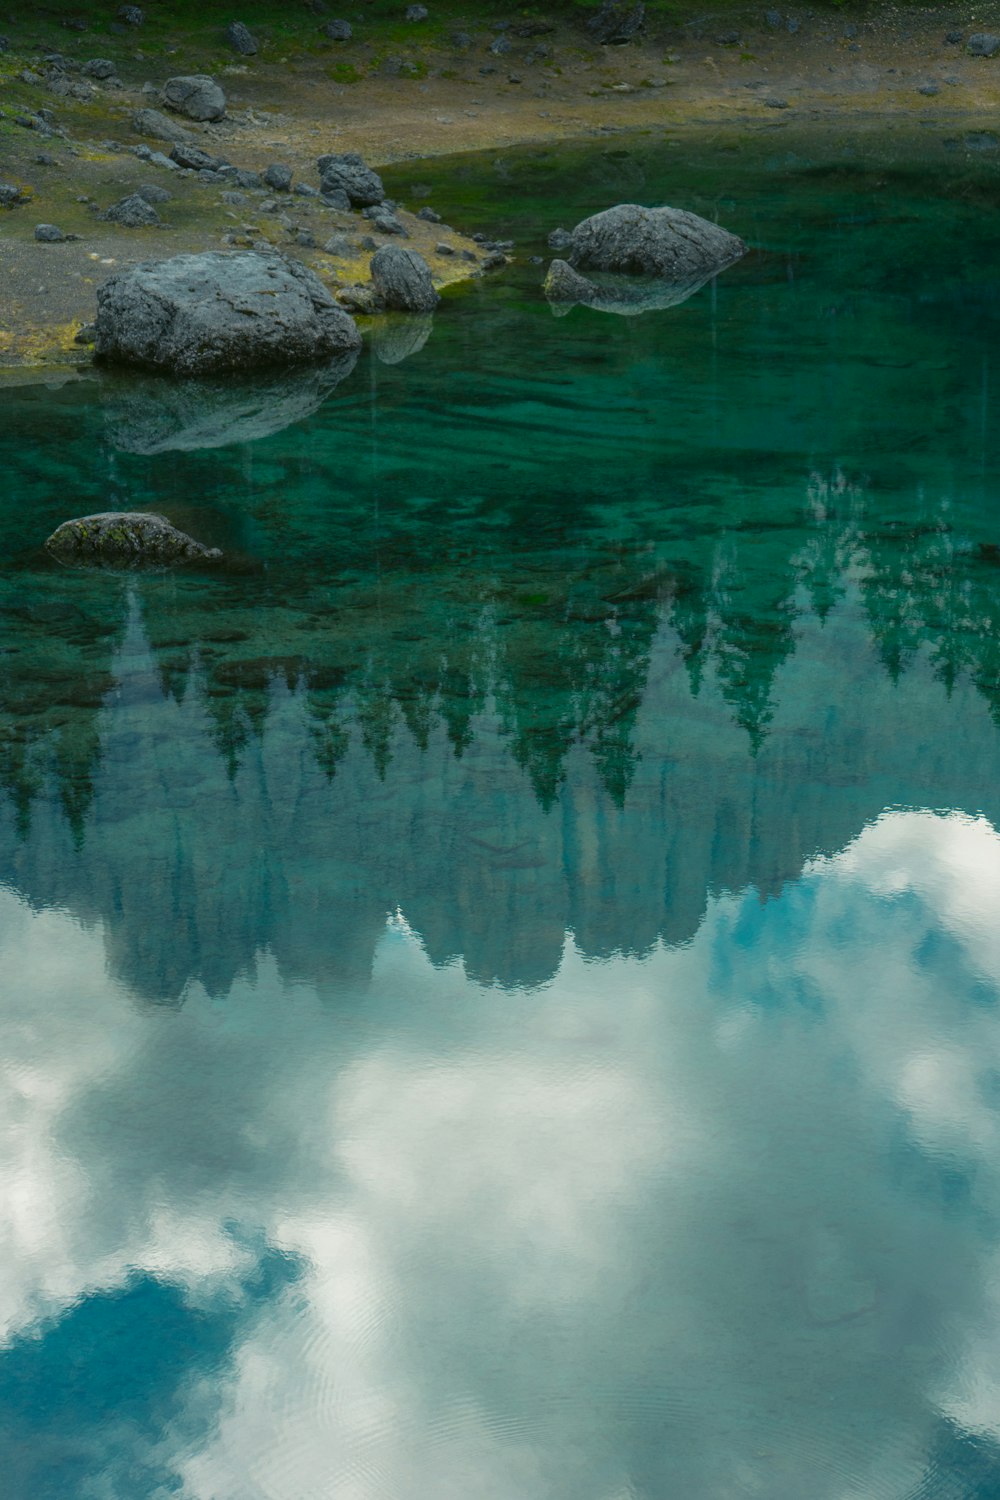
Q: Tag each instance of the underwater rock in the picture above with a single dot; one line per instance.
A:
(402, 279)
(126, 537)
(196, 96)
(151, 414)
(199, 314)
(628, 296)
(667, 242)
(347, 173)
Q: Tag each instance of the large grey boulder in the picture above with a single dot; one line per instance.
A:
(200, 314)
(348, 173)
(159, 127)
(402, 280)
(196, 96)
(665, 242)
(151, 414)
(126, 538)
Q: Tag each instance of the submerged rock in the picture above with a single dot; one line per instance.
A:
(347, 173)
(126, 538)
(152, 414)
(666, 242)
(196, 96)
(402, 279)
(197, 314)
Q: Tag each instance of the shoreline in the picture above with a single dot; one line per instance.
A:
(835, 80)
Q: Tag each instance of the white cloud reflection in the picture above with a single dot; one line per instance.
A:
(719, 1222)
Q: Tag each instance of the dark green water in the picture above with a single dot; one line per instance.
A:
(500, 986)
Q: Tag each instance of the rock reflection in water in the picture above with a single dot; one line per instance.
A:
(155, 414)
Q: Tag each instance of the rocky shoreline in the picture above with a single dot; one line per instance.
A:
(93, 187)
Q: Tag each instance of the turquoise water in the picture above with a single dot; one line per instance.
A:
(501, 984)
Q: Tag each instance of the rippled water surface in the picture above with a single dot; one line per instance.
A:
(500, 986)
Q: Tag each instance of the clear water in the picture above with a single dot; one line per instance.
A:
(500, 987)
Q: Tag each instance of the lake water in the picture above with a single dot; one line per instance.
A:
(500, 986)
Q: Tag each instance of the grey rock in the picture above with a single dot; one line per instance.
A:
(196, 160)
(150, 414)
(126, 538)
(241, 39)
(303, 190)
(359, 299)
(348, 173)
(235, 200)
(132, 212)
(614, 24)
(306, 239)
(86, 335)
(487, 70)
(131, 15)
(196, 96)
(278, 178)
(929, 89)
(561, 239)
(417, 13)
(369, 242)
(444, 248)
(46, 159)
(776, 103)
(499, 46)
(99, 67)
(153, 193)
(157, 159)
(338, 200)
(955, 38)
(849, 32)
(774, 19)
(494, 261)
(159, 127)
(728, 38)
(394, 339)
(625, 296)
(48, 234)
(11, 195)
(429, 216)
(337, 31)
(389, 224)
(402, 279)
(531, 29)
(983, 44)
(198, 314)
(666, 242)
(248, 180)
(461, 40)
(793, 26)
(338, 244)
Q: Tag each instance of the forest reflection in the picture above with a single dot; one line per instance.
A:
(593, 742)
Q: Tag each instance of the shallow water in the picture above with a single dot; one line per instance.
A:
(501, 984)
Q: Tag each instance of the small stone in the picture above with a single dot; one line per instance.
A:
(776, 103)
(235, 200)
(728, 39)
(461, 40)
(195, 95)
(849, 32)
(983, 44)
(560, 239)
(278, 178)
(303, 190)
(158, 126)
(444, 249)
(99, 67)
(48, 234)
(151, 192)
(369, 242)
(514, 78)
(429, 216)
(132, 212)
(487, 69)
(337, 31)
(44, 159)
(499, 46)
(402, 279)
(929, 90)
(774, 19)
(86, 335)
(131, 15)
(417, 13)
(306, 239)
(241, 39)
(792, 26)
(194, 159)
(11, 195)
(955, 38)
(338, 244)
(249, 180)
(337, 199)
